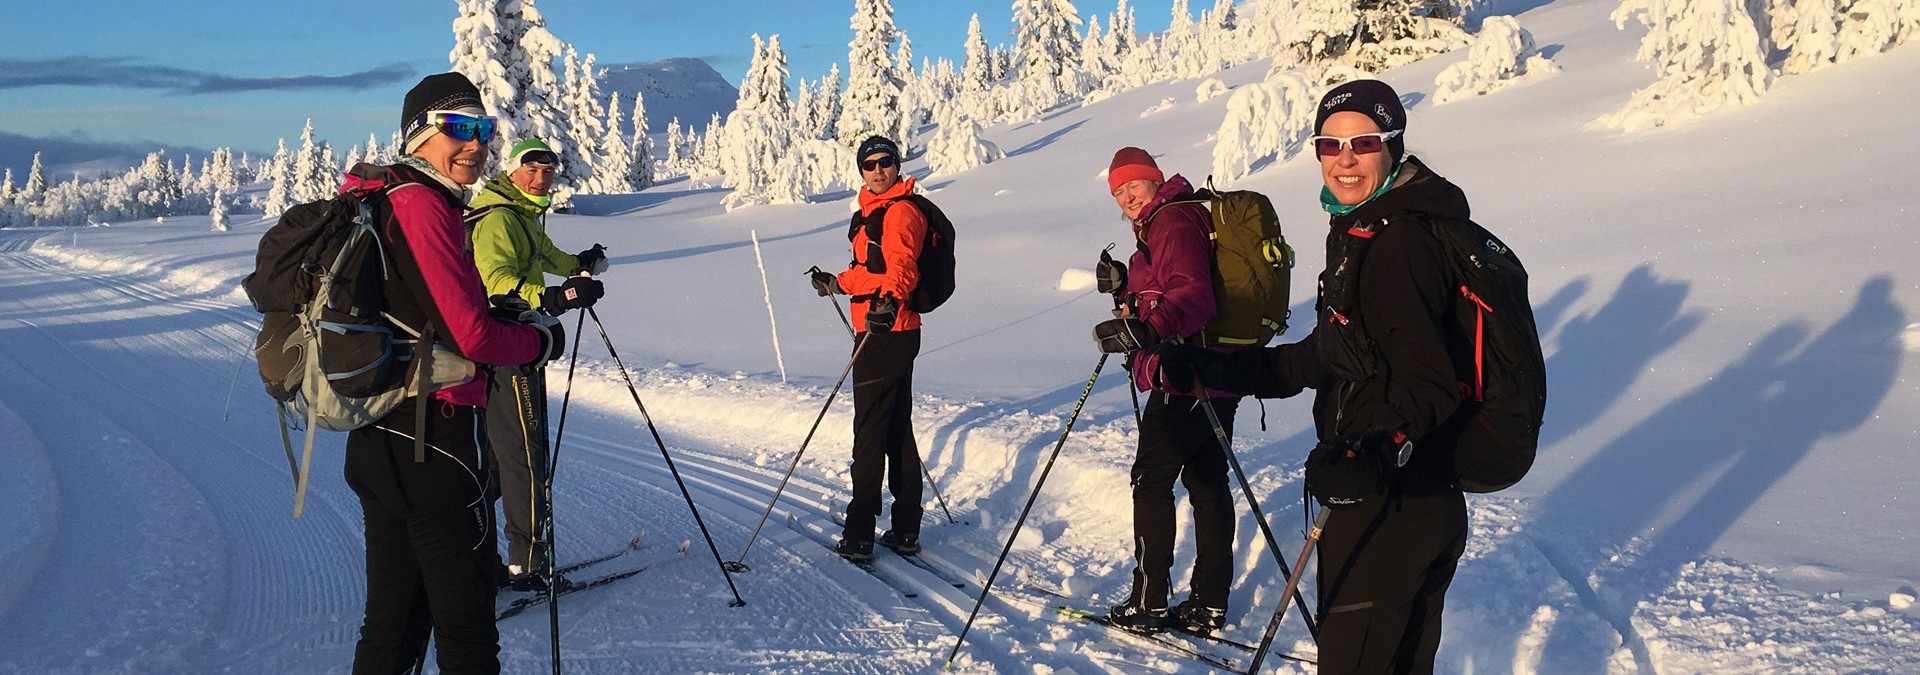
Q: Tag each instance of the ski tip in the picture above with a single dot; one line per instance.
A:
(684, 545)
(637, 541)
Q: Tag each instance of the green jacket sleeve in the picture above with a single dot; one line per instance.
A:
(551, 259)
(496, 238)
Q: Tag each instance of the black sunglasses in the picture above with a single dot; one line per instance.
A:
(872, 164)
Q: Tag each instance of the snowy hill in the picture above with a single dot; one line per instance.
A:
(682, 87)
(1726, 482)
(62, 157)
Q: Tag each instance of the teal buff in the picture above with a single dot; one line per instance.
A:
(1333, 206)
(543, 201)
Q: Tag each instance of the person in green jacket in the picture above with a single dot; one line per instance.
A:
(510, 246)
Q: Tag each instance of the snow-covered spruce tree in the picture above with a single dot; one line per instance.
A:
(615, 162)
(704, 160)
(1046, 55)
(36, 185)
(1502, 54)
(871, 104)
(586, 125)
(1705, 53)
(221, 176)
(831, 98)
(976, 95)
(278, 171)
(957, 147)
(154, 185)
(218, 211)
(806, 109)
(1397, 32)
(640, 170)
(1264, 120)
(504, 47)
(7, 191)
(314, 174)
(758, 131)
(1868, 27)
(676, 144)
(1807, 30)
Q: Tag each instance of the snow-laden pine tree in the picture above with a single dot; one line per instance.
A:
(871, 104)
(615, 161)
(278, 170)
(155, 186)
(504, 47)
(1502, 54)
(957, 146)
(1807, 30)
(315, 176)
(586, 125)
(36, 185)
(640, 170)
(1868, 27)
(1265, 120)
(1046, 55)
(976, 83)
(758, 131)
(221, 175)
(217, 209)
(676, 148)
(806, 109)
(1397, 32)
(1705, 53)
(7, 191)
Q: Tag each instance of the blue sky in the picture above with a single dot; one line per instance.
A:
(243, 73)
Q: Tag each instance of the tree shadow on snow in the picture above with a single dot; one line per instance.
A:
(1047, 140)
(1681, 478)
(691, 251)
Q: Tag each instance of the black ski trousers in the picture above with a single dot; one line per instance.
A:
(517, 437)
(1384, 570)
(430, 543)
(1177, 443)
(883, 442)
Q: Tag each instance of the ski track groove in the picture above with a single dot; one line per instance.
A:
(1589, 597)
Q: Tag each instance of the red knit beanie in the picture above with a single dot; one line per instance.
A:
(1131, 164)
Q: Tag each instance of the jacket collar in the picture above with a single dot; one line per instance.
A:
(870, 201)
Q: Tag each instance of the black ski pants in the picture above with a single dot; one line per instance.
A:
(430, 543)
(517, 438)
(883, 443)
(1384, 570)
(1177, 443)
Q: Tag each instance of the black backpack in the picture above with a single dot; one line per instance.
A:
(1506, 390)
(936, 252)
(329, 352)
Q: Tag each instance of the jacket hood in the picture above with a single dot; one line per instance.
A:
(500, 190)
(1424, 192)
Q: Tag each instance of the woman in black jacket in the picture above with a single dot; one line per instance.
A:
(1384, 361)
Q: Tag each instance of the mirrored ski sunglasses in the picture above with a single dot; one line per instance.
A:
(1362, 144)
(461, 126)
(541, 157)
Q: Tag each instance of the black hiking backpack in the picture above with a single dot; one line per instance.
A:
(936, 252)
(1504, 387)
(329, 352)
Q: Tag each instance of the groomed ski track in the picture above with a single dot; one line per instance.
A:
(184, 520)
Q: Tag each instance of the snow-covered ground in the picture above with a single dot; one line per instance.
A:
(1726, 482)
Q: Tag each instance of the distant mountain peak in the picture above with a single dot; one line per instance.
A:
(681, 86)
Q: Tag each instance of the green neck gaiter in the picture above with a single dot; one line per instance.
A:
(1333, 206)
(543, 201)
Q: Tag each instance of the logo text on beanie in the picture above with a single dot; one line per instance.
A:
(1380, 109)
(1337, 100)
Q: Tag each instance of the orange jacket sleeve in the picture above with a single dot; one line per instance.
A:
(901, 235)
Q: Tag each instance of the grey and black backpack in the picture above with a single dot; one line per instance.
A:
(330, 354)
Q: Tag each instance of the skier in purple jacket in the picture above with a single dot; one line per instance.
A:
(1169, 295)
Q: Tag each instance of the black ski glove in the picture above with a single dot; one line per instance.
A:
(824, 283)
(507, 307)
(575, 293)
(881, 312)
(592, 261)
(1181, 364)
(553, 336)
(1110, 276)
(1348, 473)
(1121, 336)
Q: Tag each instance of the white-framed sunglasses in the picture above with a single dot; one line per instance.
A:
(1362, 144)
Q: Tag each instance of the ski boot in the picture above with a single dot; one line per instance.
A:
(1197, 618)
(1129, 615)
(855, 551)
(904, 543)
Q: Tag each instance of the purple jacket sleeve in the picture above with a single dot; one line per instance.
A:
(1183, 263)
(439, 245)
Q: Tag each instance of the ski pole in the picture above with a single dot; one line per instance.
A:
(553, 464)
(739, 564)
(1253, 503)
(566, 396)
(655, 431)
(1293, 588)
(923, 462)
(1022, 520)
